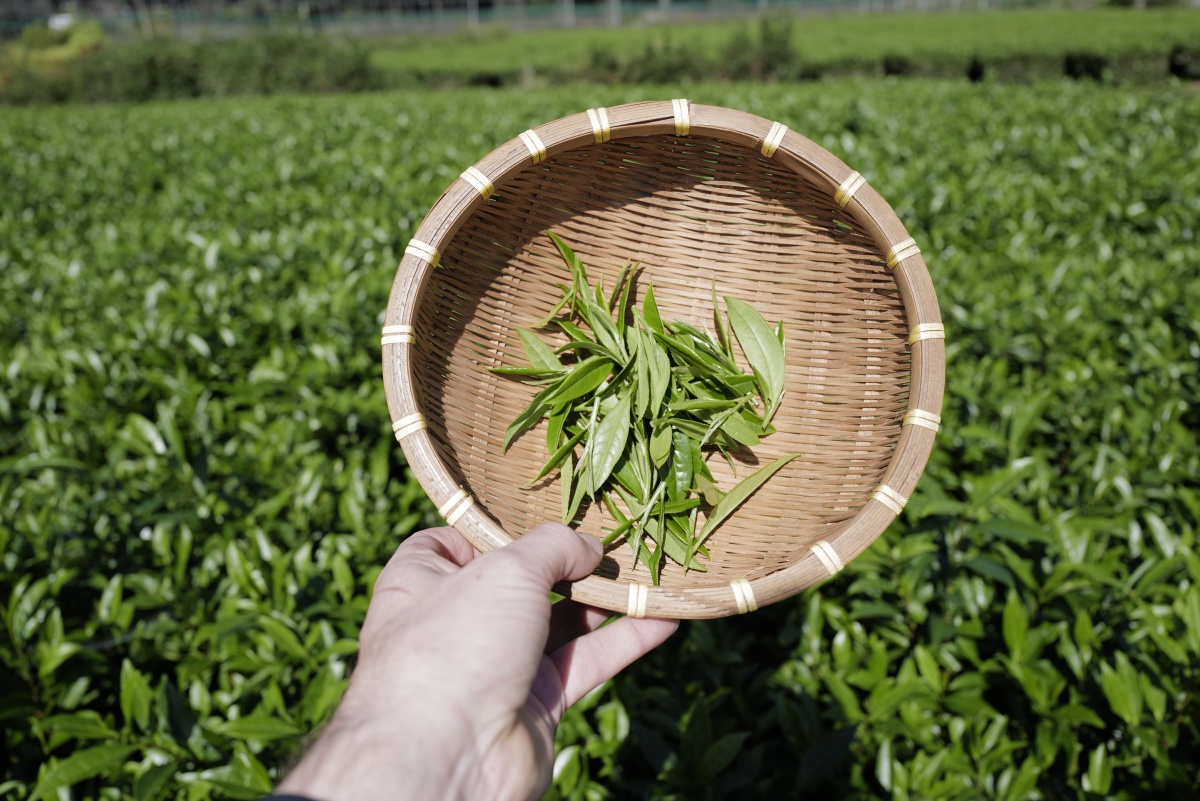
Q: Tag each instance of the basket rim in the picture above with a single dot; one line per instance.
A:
(774, 140)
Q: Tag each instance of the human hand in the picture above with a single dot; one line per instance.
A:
(465, 670)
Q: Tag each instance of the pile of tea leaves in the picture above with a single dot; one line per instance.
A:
(635, 405)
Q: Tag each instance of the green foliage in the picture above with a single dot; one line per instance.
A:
(1016, 44)
(198, 480)
(772, 54)
(678, 391)
(38, 36)
(161, 69)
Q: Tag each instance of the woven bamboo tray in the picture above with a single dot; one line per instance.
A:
(695, 192)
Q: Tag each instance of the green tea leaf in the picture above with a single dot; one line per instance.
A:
(607, 445)
(591, 347)
(536, 410)
(702, 405)
(642, 357)
(558, 457)
(136, 697)
(739, 430)
(284, 638)
(1099, 776)
(722, 334)
(573, 331)
(531, 372)
(539, 353)
(578, 271)
(79, 766)
(86, 725)
(587, 376)
(567, 480)
(659, 365)
(554, 429)
(260, 727)
(762, 348)
(568, 296)
(1016, 625)
(708, 488)
(681, 466)
(738, 495)
(660, 445)
(650, 310)
(1120, 687)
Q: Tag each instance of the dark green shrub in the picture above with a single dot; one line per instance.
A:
(38, 36)
(739, 59)
(24, 86)
(160, 69)
(894, 64)
(490, 80)
(148, 69)
(1079, 66)
(271, 64)
(1184, 63)
(776, 52)
(602, 65)
(771, 54)
(663, 61)
(975, 70)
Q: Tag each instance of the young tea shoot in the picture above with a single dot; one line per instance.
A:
(634, 404)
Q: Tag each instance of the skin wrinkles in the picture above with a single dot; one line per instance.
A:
(465, 670)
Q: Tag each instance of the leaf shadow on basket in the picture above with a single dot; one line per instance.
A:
(691, 210)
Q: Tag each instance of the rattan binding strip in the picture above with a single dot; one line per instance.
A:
(926, 331)
(601, 130)
(423, 251)
(890, 498)
(922, 418)
(455, 506)
(638, 594)
(409, 425)
(683, 117)
(774, 138)
(534, 144)
(829, 557)
(743, 594)
(397, 335)
(848, 188)
(481, 182)
(901, 251)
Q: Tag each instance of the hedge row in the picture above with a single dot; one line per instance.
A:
(159, 69)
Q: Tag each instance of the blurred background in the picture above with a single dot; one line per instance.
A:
(202, 209)
(226, 18)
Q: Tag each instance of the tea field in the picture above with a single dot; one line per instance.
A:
(198, 481)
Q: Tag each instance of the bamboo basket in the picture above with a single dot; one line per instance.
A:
(695, 193)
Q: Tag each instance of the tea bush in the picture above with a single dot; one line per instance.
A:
(162, 69)
(198, 481)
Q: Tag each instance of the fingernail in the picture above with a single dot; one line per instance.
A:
(592, 543)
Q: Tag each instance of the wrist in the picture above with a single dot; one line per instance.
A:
(403, 750)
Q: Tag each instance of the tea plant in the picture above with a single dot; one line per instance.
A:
(198, 480)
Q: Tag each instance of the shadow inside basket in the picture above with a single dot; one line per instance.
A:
(690, 210)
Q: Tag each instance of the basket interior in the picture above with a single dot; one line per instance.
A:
(692, 210)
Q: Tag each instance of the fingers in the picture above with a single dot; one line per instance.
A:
(432, 552)
(586, 663)
(552, 553)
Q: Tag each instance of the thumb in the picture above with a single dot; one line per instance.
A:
(553, 552)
